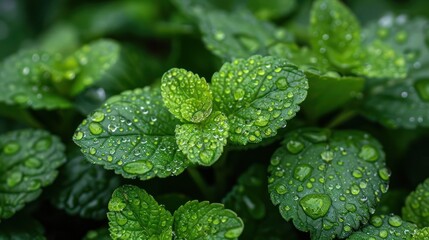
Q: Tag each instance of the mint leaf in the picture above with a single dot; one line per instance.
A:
(335, 33)
(258, 95)
(28, 161)
(385, 227)
(249, 199)
(238, 34)
(186, 95)
(416, 209)
(203, 143)
(26, 81)
(421, 234)
(133, 134)
(202, 220)
(134, 214)
(21, 227)
(329, 91)
(270, 9)
(98, 234)
(84, 189)
(327, 182)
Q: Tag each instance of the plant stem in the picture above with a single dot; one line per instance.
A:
(200, 182)
(341, 118)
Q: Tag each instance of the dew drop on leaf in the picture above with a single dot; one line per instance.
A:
(33, 162)
(11, 148)
(97, 117)
(315, 205)
(138, 167)
(43, 144)
(384, 173)
(302, 172)
(14, 179)
(95, 128)
(294, 147)
(233, 233)
(327, 156)
(368, 153)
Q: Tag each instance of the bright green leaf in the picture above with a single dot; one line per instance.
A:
(203, 143)
(186, 95)
(21, 227)
(28, 162)
(84, 189)
(270, 9)
(416, 209)
(382, 227)
(202, 220)
(238, 34)
(98, 234)
(335, 33)
(26, 81)
(258, 95)
(133, 133)
(327, 182)
(421, 234)
(135, 215)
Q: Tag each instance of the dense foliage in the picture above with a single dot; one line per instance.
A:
(216, 119)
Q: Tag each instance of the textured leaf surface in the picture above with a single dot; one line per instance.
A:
(238, 34)
(258, 95)
(250, 201)
(416, 209)
(98, 234)
(421, 234)
(84, 189)
(401, 103)
(385, 227)
(335, 33)
(21, 227)
(28, 162)
(26, 81)
(133, 133)
(327, 182)
(203, 143)
(134, 214)
(270, 9)
(202, 220)
(186, 95)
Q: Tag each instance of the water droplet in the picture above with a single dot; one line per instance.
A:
(317, 136)
(78, 135)
(376, 221)
(327, 156)
(383, 234)
(384, 173)
(350, 207)
(116, 204)
(206, 156)
(368, 153)
(239, 94)
(20, 98)
(357, 173)
(34, 185)
(219, 36)
(233, 233)
(262, 121)
(33, 162)
(26, 70)
(11, 148)
(422, 87)
(395, 221)
(97, 117)
(138, 167)
(401, 37)
(315, 205)
(43, 144)
(354, 189)
(302, 172)
(14, 178)
(121, 219)
(294, 147)
(281, 189)
(95, 128)
(281, 83)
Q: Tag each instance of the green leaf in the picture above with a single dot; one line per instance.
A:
(186, 95)
(416, 209)
(327, 182)
(250, 201)
(134, 214)
(84, 189)
(421, 234)
(401, 103)
(26, 81)
(271, 9)
(329, 91)
(381, 227)
(28, 161)
(133, 133)
(21, 227)
(335, 33)
(381, 61)
(98, 234)
(258, 95)
(203, 143)
(238, 34)
(202, 220)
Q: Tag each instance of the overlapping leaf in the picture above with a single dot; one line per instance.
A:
(133, 133)
(21, 227)
(327, 182)
(28, 162)
(416, 209)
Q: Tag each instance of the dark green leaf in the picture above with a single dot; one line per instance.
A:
(84, 189)
(133, 133)
(202, 220)
(203, 143)
(416, 209)
(26, 81)
(258, 95)
(270, 9)
(134, 214)
(381, 227)
(21, 227)
(186, 95)
(327, 182)
(28, 162)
